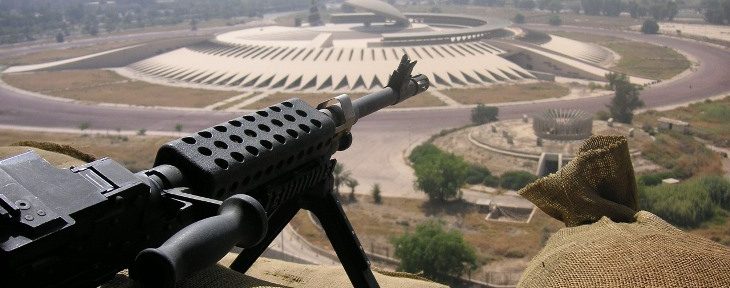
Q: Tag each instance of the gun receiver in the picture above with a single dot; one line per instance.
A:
(236, 183)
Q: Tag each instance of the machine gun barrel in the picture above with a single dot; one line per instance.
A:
(401, 86)
(371, 103)
(237, 183)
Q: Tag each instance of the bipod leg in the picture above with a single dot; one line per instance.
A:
(328, 210)
(277, 222)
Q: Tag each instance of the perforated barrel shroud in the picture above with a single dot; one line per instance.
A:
(239, 155)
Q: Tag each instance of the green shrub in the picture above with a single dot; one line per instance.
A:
(477, 174)
(484, 114)
(423, 151)
(653, 179)
(687, 204)
(519, 18)
(491, 181)
(719, 190)
(515, 180)
(650, 27)
(555, 20)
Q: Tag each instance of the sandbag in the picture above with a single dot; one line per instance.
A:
(607, 242)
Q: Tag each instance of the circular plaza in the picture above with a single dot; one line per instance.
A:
(354, 52)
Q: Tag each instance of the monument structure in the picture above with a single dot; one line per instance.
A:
(353, 52)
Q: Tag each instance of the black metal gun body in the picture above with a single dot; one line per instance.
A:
(237, 183)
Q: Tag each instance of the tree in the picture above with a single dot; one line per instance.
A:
(672, 10)
(314, 18)
(555, 6)
(650, 27)
(636, 10)
(714, 12)
(91, 27)
(352, 183)
(613, 78)
(59, 37)
(543, 4)
(526, 4)
(376, 194)
(555, 20)
(440, 175)
(611, 7)
(625, 101)
(341, 176)
(484, 114)
(519, 18)
(435, 252)
(194, 24)
(591, 7)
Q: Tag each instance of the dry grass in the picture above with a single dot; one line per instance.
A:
(717, 230)
(709, 120)
(236, 102)
(508, 93)
(309, 231)
(134, 152)
(583, 20)
(637, 58)
(375, 225)
(107, 86)
(530, 16)
(60, 54)
(423, 100)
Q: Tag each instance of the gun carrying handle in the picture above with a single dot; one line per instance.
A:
(241, 220)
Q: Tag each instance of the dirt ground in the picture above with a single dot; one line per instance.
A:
(107, 86)
(134, 152)
(458, 143)
(501, 247)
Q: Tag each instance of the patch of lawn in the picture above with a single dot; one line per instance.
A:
(508, 93)
(709, 120)
(638, 59)
(107, 86)
(60, 54)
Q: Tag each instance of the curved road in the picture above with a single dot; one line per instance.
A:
(387, 132)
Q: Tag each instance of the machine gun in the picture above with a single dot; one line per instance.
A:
(238, 183)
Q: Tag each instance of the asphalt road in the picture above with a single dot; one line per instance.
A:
(381, 139)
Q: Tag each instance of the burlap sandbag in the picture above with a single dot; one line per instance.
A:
(607, 243)
(276, 273)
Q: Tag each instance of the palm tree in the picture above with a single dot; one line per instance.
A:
(352, 183)
(341, 175)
